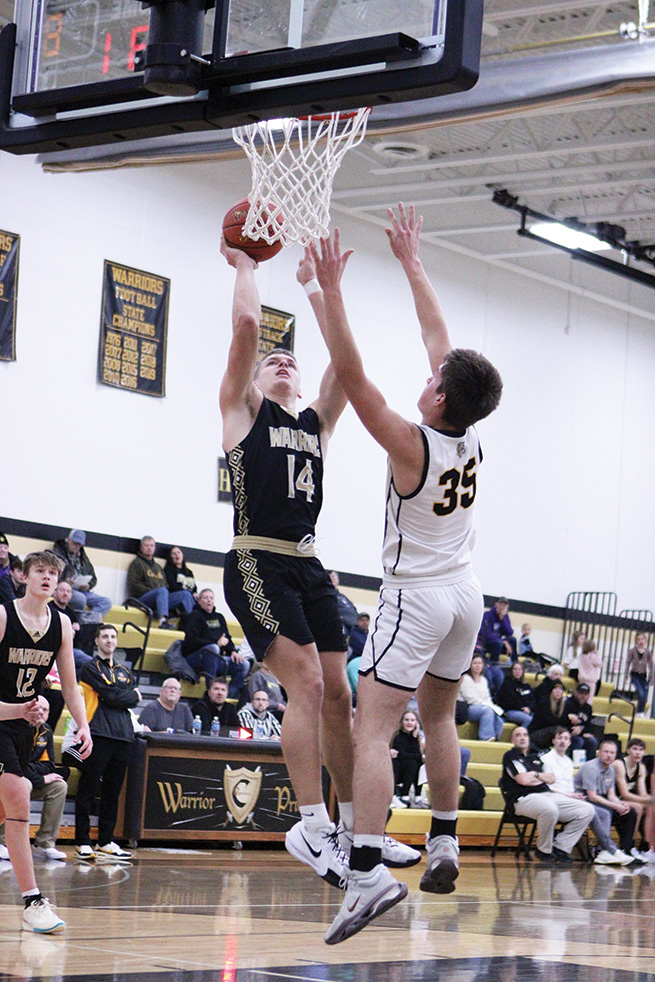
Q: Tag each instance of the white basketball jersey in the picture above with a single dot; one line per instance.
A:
(429, 535)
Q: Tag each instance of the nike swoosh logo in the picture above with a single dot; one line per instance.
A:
(313, 851)
(351, 909)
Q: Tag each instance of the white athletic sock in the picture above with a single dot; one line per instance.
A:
(347, 815)
(314, 816)
(445, 816)
(373, 841)
(32, 893)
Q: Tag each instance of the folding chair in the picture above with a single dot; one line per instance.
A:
(521, 824)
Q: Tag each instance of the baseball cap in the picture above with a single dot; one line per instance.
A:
(583, 687)
(77, 535)
(3, 539)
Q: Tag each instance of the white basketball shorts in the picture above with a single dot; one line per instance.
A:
(423, 629)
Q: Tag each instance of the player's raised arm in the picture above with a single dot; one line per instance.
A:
(404, 239)
(331, 400)
(400, 438)
(239, 397)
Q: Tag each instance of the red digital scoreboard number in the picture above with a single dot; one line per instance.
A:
(138, 42)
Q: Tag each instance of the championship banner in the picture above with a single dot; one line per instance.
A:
(133, 330)
(276, 330)
(195, 793)
(9, 249)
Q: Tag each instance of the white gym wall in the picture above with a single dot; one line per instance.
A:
(566, 489)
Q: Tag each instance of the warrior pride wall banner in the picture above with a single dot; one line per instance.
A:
(133, 330)
(9, 248)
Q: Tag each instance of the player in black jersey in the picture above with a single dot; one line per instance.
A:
(32, 637)
(274, 584)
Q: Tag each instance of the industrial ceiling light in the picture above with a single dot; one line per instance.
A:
(569, 237)
(550, 231)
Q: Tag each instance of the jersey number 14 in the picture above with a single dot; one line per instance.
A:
(305, 480)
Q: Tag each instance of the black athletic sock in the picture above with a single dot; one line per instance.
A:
(365, 858)
(443, 826)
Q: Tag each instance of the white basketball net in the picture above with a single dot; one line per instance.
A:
(293, 166)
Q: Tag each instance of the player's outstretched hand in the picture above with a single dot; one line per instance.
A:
(306, 269)
(404, 233)
(236, 256)
(330, 262)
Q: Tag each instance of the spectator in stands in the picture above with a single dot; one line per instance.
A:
(528, 786)
(496, 633)
(214, 705)
(589, 665)
(516, 697)
(146, 582)
(347, 609)
(407, 752)
(639, 670)
(109, 693)
(50, 788)
(358, 635)
(578, 713)
(12, 586)
(167, 712)
(180, 581)
(208, 647)
(264, 679)
(630, 783)
(5, 556)
(256, 716)
(81, 575)
(474, 691)
(554, 674)
(61, 599)
(549, 713)
(572, 654)
(524, 643)
(596, 780)
(558, 762)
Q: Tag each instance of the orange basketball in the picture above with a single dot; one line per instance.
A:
(257, 249)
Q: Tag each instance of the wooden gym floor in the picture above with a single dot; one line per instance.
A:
(258, 916)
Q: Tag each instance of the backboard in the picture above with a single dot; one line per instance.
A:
(79, 73)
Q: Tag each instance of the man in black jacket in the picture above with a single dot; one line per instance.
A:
(12, 584)
(109, 693)
(208, 646)
(579, 712)
(213, 705)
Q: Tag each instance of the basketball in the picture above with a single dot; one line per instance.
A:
(257, 249)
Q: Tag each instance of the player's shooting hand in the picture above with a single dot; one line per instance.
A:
(404, 233)
(236, 257)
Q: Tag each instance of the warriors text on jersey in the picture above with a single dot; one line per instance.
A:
(277, 475)
(26, 660)
(429, 535)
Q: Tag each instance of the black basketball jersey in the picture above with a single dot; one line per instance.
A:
(24, 660)
(277, 475)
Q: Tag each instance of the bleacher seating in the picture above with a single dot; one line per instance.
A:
(475, 828)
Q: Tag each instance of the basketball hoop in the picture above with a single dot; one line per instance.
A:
(293, 166)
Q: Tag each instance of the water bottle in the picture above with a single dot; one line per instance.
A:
(197, 726)
(215, 727)
(259, 730)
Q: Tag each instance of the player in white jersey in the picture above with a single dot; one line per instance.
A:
(430, 607)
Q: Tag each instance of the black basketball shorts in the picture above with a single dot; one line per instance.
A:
(15, 751)
(271, 594)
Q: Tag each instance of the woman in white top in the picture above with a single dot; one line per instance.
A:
(474, 691)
